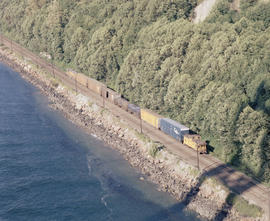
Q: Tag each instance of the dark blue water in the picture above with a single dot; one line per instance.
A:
(51, 170)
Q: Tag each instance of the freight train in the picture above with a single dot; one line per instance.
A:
(170, 127)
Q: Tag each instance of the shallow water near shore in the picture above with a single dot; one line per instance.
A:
(52, 170)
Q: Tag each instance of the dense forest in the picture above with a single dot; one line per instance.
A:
(213, 77)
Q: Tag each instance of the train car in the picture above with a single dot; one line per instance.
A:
(122, 102)
(82, 79)
(194, 141)
(110, 95)
(133, 109)
(151, 117)
(95, 86)
(173, 128)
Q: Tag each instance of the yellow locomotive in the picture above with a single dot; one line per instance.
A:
(195, 141)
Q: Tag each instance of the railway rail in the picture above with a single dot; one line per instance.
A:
(237, 182)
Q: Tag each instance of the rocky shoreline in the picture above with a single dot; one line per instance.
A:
(170, 175)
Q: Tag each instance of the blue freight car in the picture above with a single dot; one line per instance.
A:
(173, 128)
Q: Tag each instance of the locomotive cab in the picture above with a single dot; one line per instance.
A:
(195, 142)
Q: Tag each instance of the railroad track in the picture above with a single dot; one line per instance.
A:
(235, 180)
(56, 72)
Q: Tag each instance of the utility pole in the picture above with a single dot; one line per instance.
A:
(198, 162)
(141, 124)
(76, 84)
(52, 67)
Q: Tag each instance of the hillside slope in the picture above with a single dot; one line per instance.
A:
(213, 77)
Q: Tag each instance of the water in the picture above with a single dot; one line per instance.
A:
(51, 170)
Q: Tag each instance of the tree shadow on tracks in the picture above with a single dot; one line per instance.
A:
(228, 177)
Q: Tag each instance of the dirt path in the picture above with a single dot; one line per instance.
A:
(237, 182)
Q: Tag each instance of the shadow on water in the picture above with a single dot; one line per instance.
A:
(113, 186)
(173, 214)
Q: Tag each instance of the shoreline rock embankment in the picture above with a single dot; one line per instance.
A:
(164, 169)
